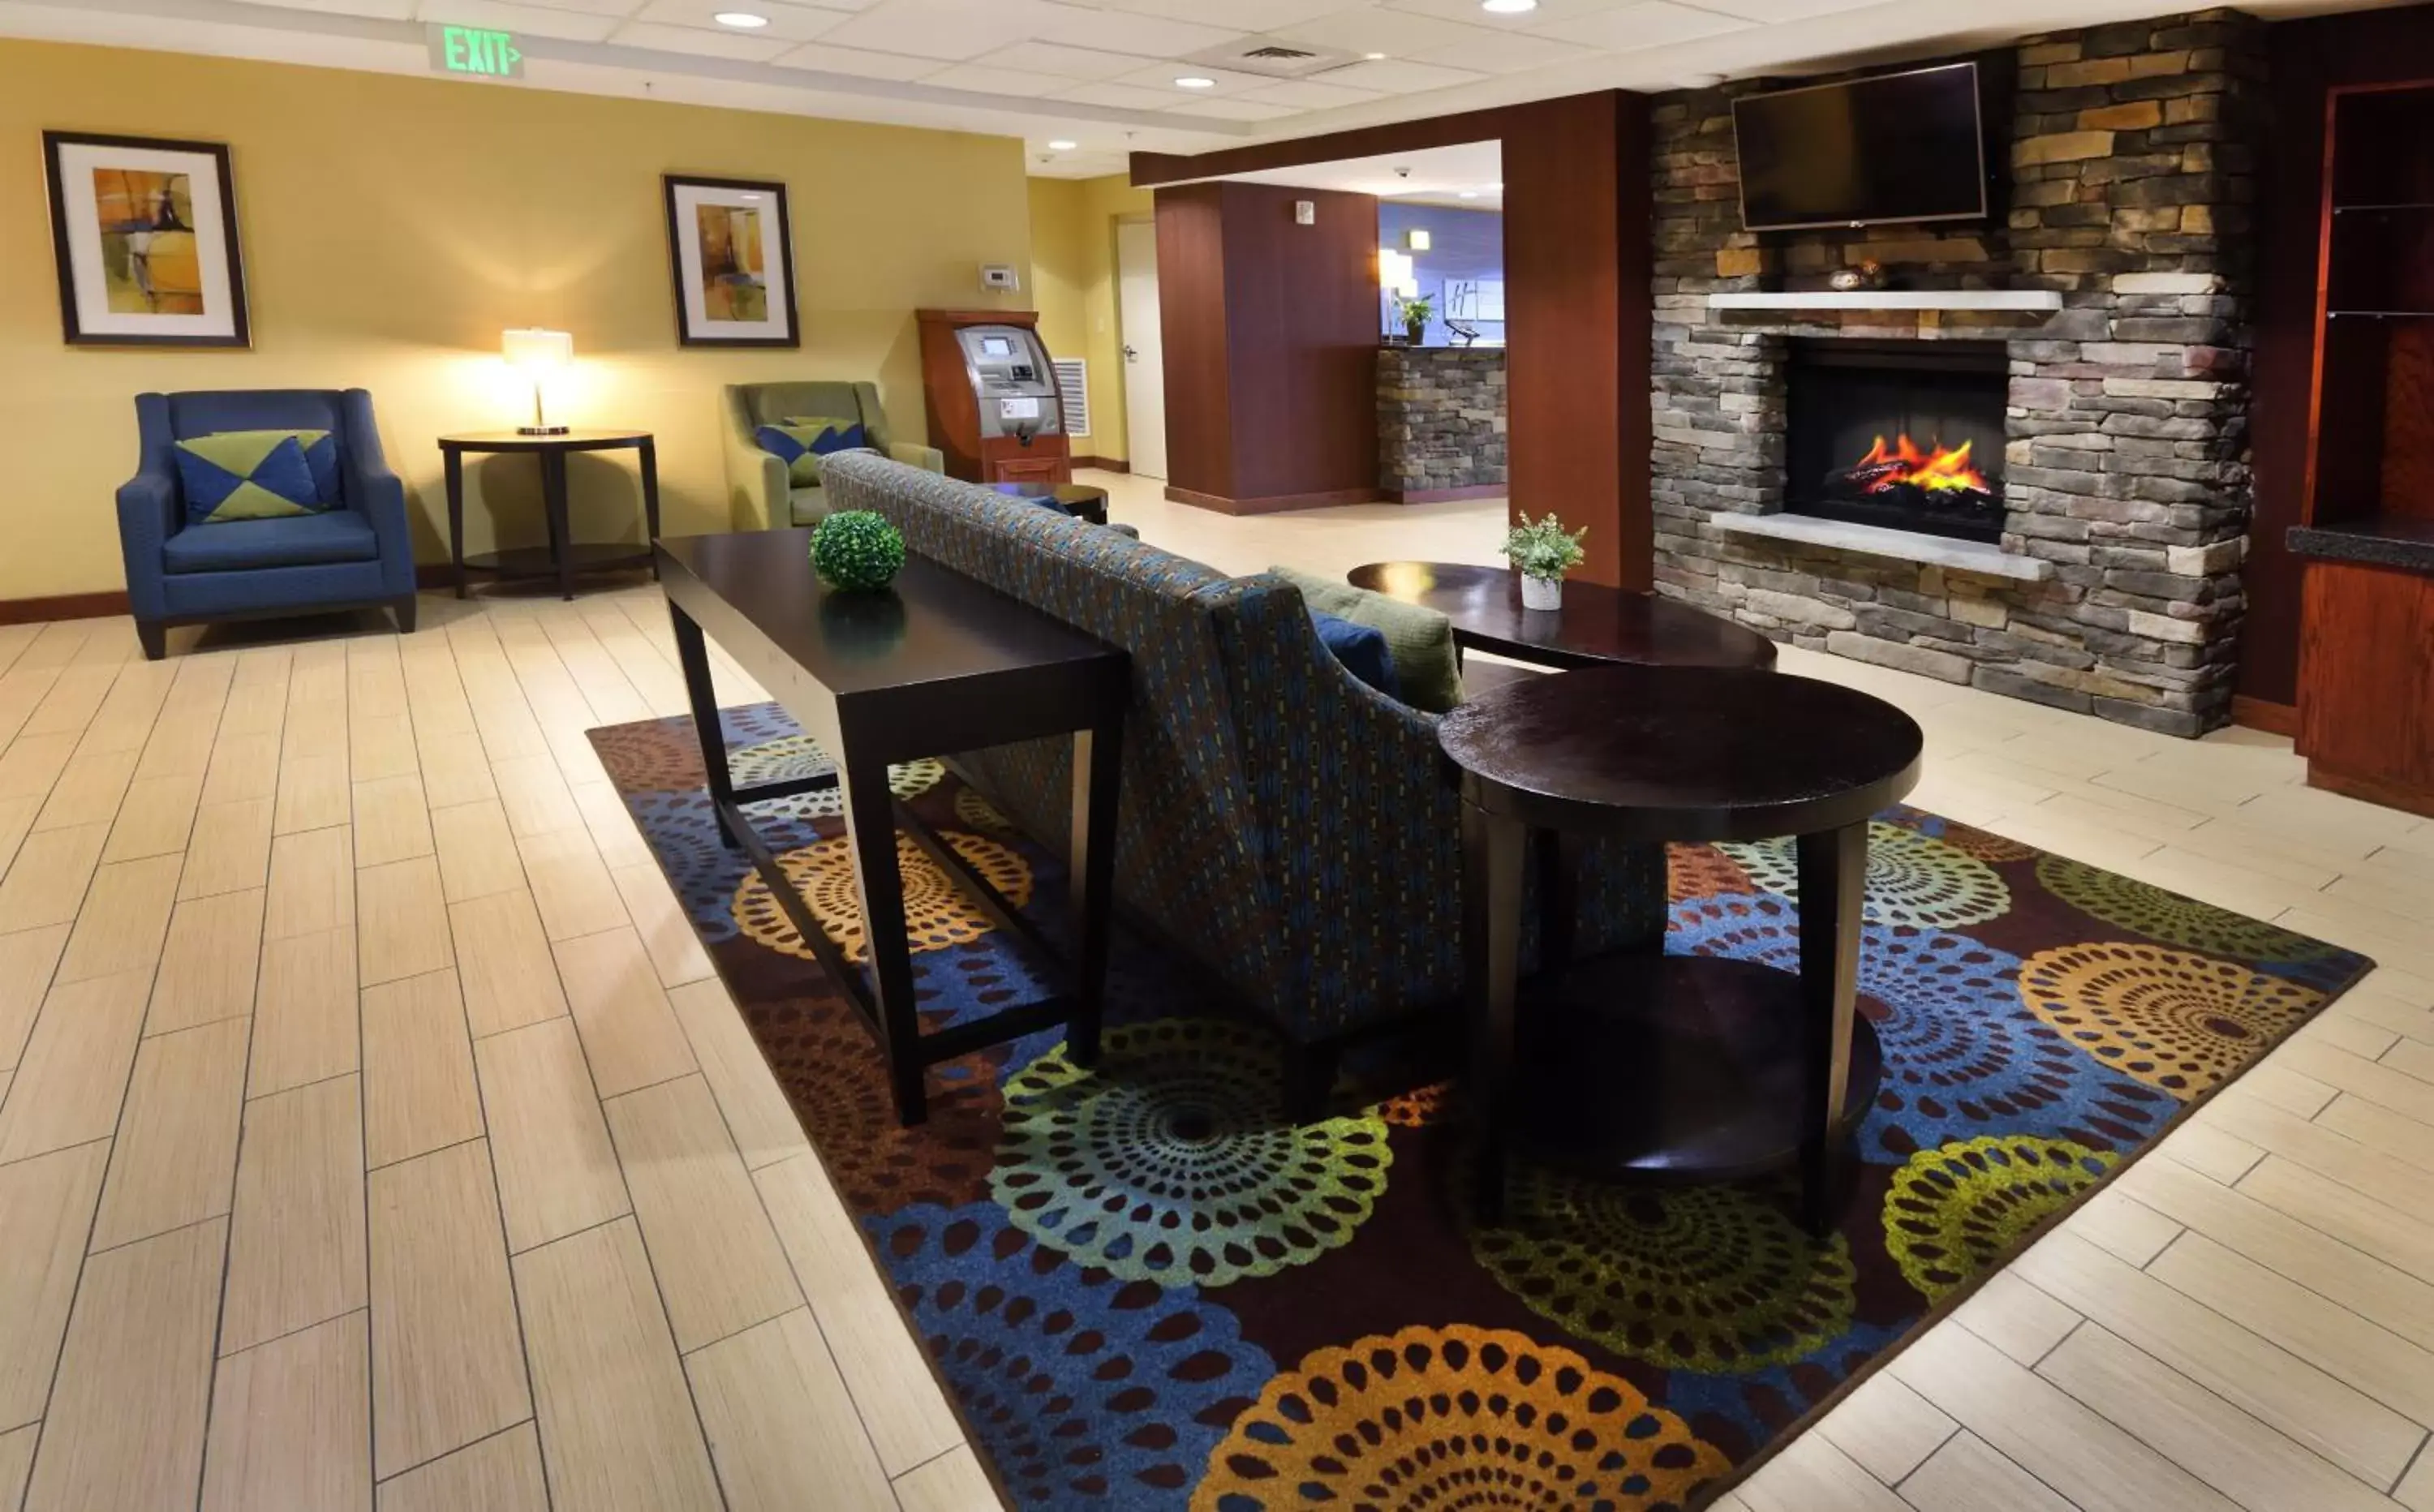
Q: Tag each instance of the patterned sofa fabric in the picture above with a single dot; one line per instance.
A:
(1288, 826)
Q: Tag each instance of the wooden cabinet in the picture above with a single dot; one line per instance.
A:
(2365, 678)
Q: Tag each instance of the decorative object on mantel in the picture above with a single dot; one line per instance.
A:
(1869, 274)
(145, 234)
(1542, 551)
(856, 551)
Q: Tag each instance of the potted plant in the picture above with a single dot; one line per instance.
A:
(1542, 551)
(1415, 310)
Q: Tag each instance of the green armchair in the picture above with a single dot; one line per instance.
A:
(757, 492)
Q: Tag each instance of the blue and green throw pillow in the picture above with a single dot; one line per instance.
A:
(801, 444)
(254, 475)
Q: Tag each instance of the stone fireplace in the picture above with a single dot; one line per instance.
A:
(2089, 343)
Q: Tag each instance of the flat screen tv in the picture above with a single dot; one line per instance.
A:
(1895, 148)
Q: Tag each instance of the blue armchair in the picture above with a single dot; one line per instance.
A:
(355, 555)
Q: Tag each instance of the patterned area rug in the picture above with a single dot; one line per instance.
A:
(1143, 1288)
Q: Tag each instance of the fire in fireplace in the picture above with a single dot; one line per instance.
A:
(1941, 402)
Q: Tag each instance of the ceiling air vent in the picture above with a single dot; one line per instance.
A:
(1273, 58)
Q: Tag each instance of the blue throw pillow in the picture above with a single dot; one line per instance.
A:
(245, 475)
(1362, 648)
(801, 443)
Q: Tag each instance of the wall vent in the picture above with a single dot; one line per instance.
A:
(1073, 394)
(1273, 58)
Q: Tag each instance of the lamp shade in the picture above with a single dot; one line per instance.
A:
(537, 352)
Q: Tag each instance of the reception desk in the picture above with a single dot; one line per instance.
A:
(1441, 422)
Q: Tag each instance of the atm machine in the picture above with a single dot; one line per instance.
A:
(992, 396)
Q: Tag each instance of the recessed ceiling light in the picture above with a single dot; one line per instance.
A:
(1494, 189)
(742, 19)
(1467, 193)
(1060, 144)
(1195, 81)
(1375, 58)
(1507, 8)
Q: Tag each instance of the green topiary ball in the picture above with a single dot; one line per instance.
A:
(854, 551)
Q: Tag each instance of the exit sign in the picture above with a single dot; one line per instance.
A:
(476, 50)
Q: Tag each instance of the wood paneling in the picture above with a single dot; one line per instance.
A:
(2366, 712)
(1576, 258)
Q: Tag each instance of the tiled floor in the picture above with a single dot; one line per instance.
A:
(374, 1132)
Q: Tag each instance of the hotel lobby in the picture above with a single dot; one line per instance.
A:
(946, 755)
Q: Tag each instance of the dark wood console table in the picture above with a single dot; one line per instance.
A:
(935, 663)
(1680, 1066)
(1597, 626)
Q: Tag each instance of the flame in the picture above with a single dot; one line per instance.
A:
(1939, 471)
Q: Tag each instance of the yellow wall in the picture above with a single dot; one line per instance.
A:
(393, 225)
(1073, 277)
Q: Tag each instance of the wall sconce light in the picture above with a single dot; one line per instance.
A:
(537, 354)
(1416, 239)
(1396, 275)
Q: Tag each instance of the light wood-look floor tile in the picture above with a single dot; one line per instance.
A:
(611, 828)
(502, 1474)
(312, 883)
(719, 1266)
(629, 1032)
(1812, 1475)
(477, 852)
(2403, 1241)
(46, 882)
(381, 745)
(667, 934)
(175, 1155)
(295, 1252)
(954, 1482)
(291, 1424)
(28, 959)
(74, 1072)
(571, 887)
(617, 1426)
(47, 1207)
(231, 848)
(16, 1462)
(32, 764)
(908, 1418)
(757, 1111)
(16, 822)
(454, 767)
(244, 766)
(208, 963)
(391, 821)
(1887, 1428)
(314, 792)
(126, 914)
(448, 1357)
(780, 1421)
(305, 1018)
(558, 1172)
(125, 1424)
(1967, 1474)
(89, 791)
(504, 957)
(419, 1089)
(535, 795)
(404, 921)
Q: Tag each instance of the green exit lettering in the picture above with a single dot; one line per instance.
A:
(475, 50)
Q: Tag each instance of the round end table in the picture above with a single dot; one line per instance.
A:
(1597, 626)
(1687, 1066)
(564, 556)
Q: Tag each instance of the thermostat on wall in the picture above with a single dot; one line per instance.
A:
(999, 276)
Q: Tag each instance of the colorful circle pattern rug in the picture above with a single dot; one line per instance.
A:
(1142, 1286)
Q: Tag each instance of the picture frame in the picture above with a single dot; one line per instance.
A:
(144, 235)
(731, 257)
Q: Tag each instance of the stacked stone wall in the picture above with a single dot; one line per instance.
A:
(1441, 418)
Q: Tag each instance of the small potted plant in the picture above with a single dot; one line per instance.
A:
(1542, 551)
(1415, 310)
(856, 551)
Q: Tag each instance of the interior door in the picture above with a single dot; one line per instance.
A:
(1143, 349)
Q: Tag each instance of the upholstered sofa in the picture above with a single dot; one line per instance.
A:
(355, 554)
(759, 492)
(1287, 825)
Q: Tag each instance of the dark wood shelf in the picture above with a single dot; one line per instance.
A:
(2380, 314)
(2404, 541)
(2382, 209)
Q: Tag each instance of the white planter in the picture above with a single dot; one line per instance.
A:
(1541, 593)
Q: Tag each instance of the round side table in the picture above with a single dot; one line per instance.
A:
(563, 557)
(1654, 1065)
(1597, 624)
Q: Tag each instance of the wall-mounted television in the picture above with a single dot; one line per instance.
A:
(1904, 147)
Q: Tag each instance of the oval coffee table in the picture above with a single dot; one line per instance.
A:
(1597, 624)
(1685, 1066)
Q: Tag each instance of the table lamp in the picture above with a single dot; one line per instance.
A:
(536, 355)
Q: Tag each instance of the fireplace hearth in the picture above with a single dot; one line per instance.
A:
(1907, 435)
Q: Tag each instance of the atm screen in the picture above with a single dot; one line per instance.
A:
(996, 347)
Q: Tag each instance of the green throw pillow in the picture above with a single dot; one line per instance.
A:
(1428, 670)
(246, 475)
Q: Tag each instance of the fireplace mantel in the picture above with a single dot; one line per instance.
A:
(2025, 301)
(1874, 540)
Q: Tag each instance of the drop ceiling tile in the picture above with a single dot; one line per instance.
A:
(383, 10)
(446, 10)
(1123, 96)
(1237, 110)
(1306, 94)
(1162, 77)
(953, 29)
(1511, 52)
(1782, 10)
(1467, 11)
(1118, 31)
(1395, 76)
(1372, 29)
(859, 64)
(1652, 24)
(787, 23)
(989, 79)
(720, 44)
(1249, 15)
(527, 21)
(1065, 62)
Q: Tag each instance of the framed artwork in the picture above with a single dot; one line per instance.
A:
(145, 234)
(732, 255)
(1474, 299)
